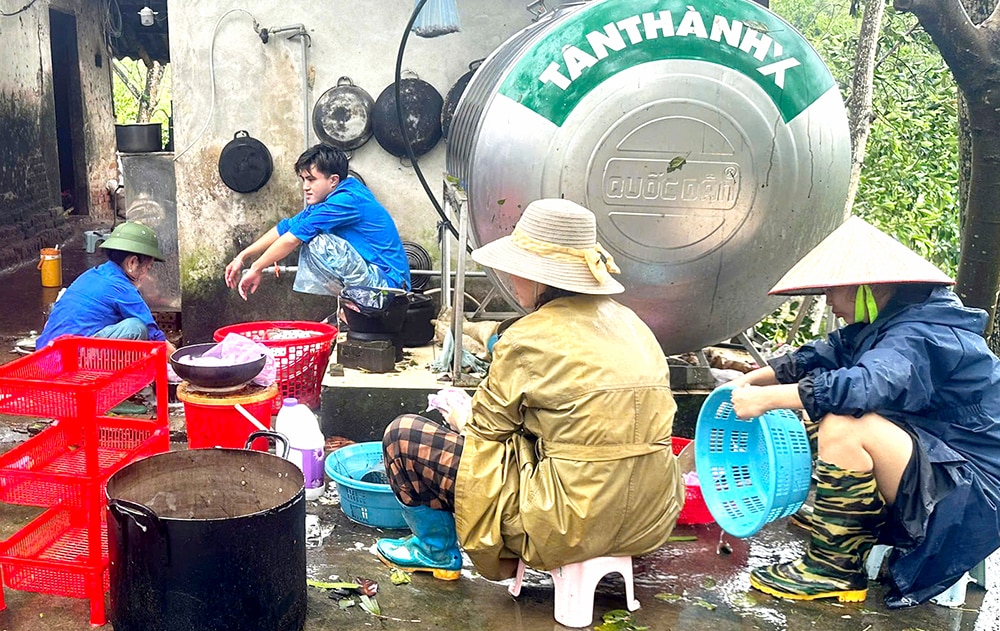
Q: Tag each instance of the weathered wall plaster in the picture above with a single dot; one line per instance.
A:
(258, 88)
(31, 214)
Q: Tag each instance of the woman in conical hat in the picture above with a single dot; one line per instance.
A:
(907, 399)
(566, 455)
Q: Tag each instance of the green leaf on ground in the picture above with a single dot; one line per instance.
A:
(336, 585)
(668, 597)
(370, 605)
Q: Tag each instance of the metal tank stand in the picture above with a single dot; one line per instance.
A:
(456, 201)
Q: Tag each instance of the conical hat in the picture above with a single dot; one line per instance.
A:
(857, 253)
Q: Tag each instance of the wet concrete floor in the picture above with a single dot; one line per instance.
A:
(685, 585)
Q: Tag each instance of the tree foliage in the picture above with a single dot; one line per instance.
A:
(909, 181)
(142, 94)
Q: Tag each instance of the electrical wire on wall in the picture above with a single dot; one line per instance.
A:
(112, 19)
(402, 124)
(21, 10)
(211, 75)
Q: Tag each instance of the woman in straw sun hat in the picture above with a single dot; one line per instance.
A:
(566, 454)
(907, 396)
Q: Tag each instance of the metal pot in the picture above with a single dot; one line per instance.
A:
(213, 376)
(374, 309)
(139, 137)
(421, 104)
(342, 116)
(245, 163)
(418, 329)
(208, 540)
(454, 96)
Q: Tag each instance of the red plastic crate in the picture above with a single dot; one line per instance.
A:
(51, 468)
(300, 362)
(695, 510)
(78, 376)
(51, 556)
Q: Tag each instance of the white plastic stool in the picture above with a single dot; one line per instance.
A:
(984, 574)
(575, 585)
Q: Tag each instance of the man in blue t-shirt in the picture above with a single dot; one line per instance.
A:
(347, 236)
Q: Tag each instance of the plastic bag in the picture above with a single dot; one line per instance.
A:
(454, 404)
(239, 349)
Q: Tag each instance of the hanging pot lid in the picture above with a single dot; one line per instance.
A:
(245, 163)
(342, 116)
(421, 104)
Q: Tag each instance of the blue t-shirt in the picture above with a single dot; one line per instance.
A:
(99, 297)
(352, 213)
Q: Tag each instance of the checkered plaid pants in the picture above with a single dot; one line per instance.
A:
(421, 461)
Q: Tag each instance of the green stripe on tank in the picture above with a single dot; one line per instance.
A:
(605, 38)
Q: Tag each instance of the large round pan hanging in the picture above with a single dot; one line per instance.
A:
(421, 104)
(454, 94)
(245, 163)
(342, 116)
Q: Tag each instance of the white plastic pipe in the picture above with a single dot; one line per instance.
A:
(250, 417)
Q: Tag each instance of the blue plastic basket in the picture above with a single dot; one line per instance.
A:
(752, 471)
(367, 503)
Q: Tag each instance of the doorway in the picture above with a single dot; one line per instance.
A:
(67, 95)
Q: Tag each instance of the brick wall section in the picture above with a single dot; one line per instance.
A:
(31, 215)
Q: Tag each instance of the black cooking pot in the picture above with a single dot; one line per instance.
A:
(418, 330)
(213, 376)
(342, 116)
(421, 104)
(245, 163)
(208, 540)
(139, 137)
(374, 309)
(454, 95)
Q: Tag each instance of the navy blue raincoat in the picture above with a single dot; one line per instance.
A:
(926, 367)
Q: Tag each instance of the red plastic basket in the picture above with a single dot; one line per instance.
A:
(51, 468)
(78, 376)
(51, 556)
(695, 510)
(300, 362)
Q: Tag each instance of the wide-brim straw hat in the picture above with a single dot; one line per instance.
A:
(551, 244)
(858, 253)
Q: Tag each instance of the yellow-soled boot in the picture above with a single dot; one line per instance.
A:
(846, 519)
(433, 546)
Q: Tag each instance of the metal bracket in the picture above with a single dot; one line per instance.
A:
(750, 348)
(537, 9)
(456, 200)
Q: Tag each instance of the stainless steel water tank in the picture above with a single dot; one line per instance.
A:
(709, 139)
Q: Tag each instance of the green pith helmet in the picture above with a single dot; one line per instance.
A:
(134, 238)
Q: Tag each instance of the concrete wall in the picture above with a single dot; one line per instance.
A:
(31, 214)
(258, 88)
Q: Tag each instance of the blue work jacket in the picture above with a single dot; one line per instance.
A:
(926, 367)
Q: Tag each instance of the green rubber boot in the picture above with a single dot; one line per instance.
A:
(433, 546)
(846, 519)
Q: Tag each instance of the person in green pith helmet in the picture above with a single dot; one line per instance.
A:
(907, 399)
(104, 301)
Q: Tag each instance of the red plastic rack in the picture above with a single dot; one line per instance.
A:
(74, 380)
(78, 377)
(51, 468)
(52, 555)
